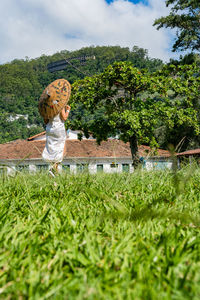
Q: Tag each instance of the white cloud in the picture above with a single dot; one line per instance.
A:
(35, 27)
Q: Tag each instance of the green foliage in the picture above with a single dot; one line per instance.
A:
(185, 18)
(134, 103)
(22, 82)
(187, 59)
(118, 236)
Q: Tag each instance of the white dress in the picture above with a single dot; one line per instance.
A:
(55, 140)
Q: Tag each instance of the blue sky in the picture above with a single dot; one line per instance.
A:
(30, 28)
(133, 1)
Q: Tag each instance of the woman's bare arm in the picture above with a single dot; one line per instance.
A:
(65, 113)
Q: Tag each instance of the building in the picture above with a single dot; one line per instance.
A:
(111, 156)
(188, 156)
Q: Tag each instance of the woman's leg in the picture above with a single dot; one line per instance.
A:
(55, 167)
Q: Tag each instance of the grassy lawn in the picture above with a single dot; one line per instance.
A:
(105, 236)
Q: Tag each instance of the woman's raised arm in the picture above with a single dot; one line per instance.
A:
(65, 112)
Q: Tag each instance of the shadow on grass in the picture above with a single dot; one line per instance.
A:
(146, 213)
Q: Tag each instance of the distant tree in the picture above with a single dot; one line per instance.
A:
(185, 18)
(133, 103)
(187, 59)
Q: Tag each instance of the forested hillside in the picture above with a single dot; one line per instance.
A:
(22, 82)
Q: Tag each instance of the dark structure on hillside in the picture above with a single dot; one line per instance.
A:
(63, 64)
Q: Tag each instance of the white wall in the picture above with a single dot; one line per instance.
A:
(158, 165)
(93, 162)
(92, 168)
(10, 170)
(32, 168)
(151, 164)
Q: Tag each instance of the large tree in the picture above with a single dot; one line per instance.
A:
(185, 18)
(132, 104)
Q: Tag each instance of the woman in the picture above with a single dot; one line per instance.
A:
(55, 139)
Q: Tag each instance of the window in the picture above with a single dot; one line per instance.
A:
(99, 168)
(160, 165)
(114, 166)
(66, 168)
(82, 168)
(22, 168)
(125, 168)
(42, 167)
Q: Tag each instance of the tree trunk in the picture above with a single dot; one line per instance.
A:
(134, 151)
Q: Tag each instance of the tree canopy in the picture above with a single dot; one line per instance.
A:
(133, 103)
(185, 18)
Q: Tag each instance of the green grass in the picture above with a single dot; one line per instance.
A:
(117, 236)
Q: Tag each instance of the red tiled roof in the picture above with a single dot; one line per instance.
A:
(21, 149)
(189, 152)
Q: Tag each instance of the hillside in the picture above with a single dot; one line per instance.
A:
(22, 82)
